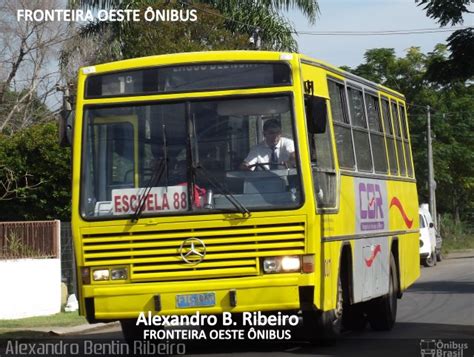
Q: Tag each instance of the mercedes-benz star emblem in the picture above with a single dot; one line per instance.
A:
(192, 251)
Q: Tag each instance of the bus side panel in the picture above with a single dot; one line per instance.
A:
(403, 209)
(409, 252)
(331, 264)
(327, 224)
(339, 223)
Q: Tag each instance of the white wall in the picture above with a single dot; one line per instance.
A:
(29, 287)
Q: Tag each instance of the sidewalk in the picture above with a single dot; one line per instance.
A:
(63, 330)
(458, 254)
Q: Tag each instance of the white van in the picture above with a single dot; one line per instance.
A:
(428, 250)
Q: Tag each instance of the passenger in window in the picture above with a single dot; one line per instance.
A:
(273, 152)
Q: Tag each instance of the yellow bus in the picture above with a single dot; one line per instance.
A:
(171, 215)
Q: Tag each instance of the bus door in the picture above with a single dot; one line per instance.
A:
(321, 152)
(114, 157)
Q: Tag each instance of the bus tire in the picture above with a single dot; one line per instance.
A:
(131, 332)
(382, 311)
(354, 317)
(323, 327)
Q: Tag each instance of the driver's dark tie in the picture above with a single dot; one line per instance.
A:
(273, 159)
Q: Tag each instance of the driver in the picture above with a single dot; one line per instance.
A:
(274, 150)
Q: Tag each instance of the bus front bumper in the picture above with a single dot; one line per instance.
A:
(278, 292)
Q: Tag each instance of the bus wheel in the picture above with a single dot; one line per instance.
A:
(354, 317)
(131, 332)
(323, 327)
(382, 311)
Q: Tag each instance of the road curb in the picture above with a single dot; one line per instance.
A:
(468, 253)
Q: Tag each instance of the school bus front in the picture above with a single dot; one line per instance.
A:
(165, 219)
(229, 182)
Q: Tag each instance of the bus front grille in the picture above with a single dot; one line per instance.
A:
(230, 251)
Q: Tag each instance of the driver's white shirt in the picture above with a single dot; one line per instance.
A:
(262, 153)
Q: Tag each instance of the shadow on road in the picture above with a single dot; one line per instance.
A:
(403, 340)
(442, 287)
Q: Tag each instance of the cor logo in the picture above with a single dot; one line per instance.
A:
(371, 200)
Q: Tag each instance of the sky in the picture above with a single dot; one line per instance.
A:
(360, 15)
(366, 15)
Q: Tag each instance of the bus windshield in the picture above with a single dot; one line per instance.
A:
(186, 156)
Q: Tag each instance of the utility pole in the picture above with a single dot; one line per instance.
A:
(431, 180)
(256, 39)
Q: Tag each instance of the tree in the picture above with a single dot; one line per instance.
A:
(460, 64)
(209, 33)
(236, 17)
(26, 82)
(14, 186)
(33, 154)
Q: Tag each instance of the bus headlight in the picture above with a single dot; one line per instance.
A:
(281, 264)
(104, 274)
(100, 274)
(118, 274)
(271, 265)
(290, 264)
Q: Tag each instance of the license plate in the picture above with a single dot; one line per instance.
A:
(195, 300)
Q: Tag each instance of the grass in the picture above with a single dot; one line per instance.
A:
(456, 236)
(62, 319)
(23, 335)
(459, 242)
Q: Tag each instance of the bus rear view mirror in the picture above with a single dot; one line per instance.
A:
(316, 114)
(65, 128)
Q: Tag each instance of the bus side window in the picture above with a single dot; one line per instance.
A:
(322, 162)
(392, 156)
(342, 127)
(376, 133)
(359, 130)
(406, 144)
(396, 124)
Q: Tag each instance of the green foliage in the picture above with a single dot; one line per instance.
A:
(456, 235)
(460, 64)
(31, 111)
(220, 25)
(452, 123)
(209, 33)
(35, 151)
(445, 11)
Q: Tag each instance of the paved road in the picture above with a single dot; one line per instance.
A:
(439, 307)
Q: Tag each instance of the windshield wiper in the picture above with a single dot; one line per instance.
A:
(158, 171)
(165, 154)
(225, 192)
